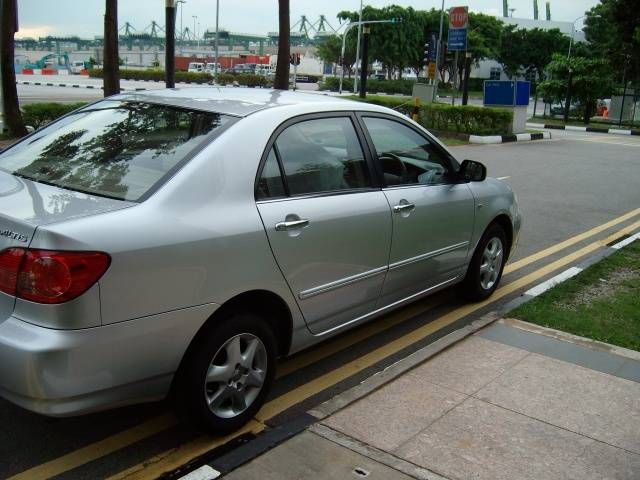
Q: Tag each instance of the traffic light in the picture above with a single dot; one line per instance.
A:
(294, 59)
(427, 53)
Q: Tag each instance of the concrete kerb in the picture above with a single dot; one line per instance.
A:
(519, 137)
(576, 128)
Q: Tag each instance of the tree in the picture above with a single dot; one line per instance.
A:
(591, 80)
(8, 28)
(284, 46)
(111, 71)
(331, 48)
(613, 30)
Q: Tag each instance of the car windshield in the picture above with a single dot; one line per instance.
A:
(114, 149)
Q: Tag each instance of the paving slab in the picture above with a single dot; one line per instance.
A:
(470, 365)
(309, 456)
(595, 404)
(483, 441)
(393, 414)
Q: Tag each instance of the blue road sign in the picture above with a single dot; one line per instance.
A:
(457, 39)
(523, 92)
(506, 93)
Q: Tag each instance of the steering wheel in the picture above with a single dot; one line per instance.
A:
(404, 173)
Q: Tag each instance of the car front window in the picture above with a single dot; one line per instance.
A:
(114, 149)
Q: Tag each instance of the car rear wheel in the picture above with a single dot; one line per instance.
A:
(487, 264)
(226, 377)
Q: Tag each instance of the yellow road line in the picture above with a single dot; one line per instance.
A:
(569, 242)
(128, 437)
(175, 458)
(191, 450)
(346, 340)
(98, 449)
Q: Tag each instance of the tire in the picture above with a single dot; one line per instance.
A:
(485, 270)
(218, 386)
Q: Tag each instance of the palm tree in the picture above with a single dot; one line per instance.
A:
(8, 28)
(282, 67)
(111, 71)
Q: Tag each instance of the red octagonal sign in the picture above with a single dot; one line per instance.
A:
(458, 17)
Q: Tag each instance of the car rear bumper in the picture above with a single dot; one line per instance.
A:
(71, 372)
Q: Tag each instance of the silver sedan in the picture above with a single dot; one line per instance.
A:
(181, 240)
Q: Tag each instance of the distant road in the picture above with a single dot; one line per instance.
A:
(68, 94)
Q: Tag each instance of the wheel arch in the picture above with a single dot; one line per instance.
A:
(505, 222)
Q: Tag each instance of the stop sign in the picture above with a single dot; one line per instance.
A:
(458, 17)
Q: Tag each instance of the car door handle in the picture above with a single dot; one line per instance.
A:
(403, 207)
(291, 225)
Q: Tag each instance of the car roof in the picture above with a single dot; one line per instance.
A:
(241, 102)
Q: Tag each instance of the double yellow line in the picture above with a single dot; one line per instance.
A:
(174, 458)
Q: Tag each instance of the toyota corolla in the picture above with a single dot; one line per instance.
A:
(179, 241)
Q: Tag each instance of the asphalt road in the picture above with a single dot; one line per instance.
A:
(566, 186)
(68, 94)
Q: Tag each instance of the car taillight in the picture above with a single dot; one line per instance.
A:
(48, 276)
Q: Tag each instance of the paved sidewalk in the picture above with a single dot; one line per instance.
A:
(512, 401)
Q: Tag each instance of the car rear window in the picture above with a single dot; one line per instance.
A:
(114, 149)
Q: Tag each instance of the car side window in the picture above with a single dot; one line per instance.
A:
(405, 156)
(322, 155)
(270, 184)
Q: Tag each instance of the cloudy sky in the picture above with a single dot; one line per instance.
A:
(84, 17)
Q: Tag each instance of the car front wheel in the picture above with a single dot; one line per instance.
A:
(487, 264)
(227, 375)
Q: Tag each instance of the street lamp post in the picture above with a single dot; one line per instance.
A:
(181, 2)
(567, 100)
(195, 32)
(435, 88)
(215, 65)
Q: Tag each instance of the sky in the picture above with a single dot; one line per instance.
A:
(84, 18)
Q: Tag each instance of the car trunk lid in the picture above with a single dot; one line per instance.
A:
(25, 205)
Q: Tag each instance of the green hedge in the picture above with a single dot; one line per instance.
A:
(244, 79)
(459, 119)
(156, 75)
(403, 87)
(38, 115)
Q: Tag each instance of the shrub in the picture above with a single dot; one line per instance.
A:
(156, 75)
(333, 84)
(467, 119)
(39, 114)
(460, 118)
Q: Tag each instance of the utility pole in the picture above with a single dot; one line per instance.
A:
(215, 65)
(355, 77)
(364, 71)
(170, 44)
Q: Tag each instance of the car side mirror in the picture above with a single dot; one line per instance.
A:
(472, 171)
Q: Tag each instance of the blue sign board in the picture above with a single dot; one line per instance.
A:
(457, 39)
(506, 93)
(523, 92)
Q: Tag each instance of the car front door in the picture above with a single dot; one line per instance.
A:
(432, 214)
(328, 225)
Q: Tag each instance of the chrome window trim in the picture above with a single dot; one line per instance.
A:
(328, 287)
(386, 307)
(426, 256)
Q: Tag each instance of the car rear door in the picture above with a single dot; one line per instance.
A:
(328, 225)
(433, 215)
